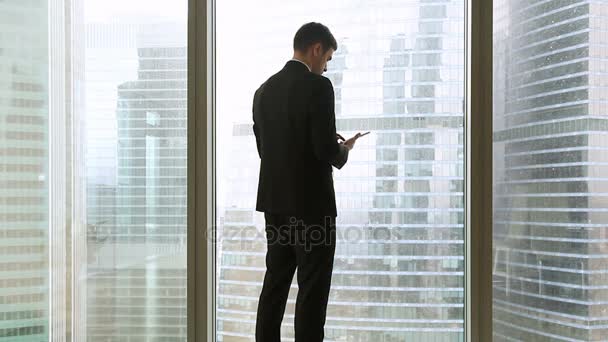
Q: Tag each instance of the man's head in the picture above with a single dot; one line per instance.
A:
(315, 45)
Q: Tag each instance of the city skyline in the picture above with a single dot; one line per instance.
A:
(399, 72)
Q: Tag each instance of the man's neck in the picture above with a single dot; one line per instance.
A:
(295, 58)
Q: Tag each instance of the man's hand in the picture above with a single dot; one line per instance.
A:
(350, 143)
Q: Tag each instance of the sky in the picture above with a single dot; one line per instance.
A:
(134, 10)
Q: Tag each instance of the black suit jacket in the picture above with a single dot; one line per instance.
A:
(295, 131)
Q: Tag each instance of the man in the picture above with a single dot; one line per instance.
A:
(295, 130)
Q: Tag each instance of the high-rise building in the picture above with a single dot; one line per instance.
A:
(24, 172)
(550, 154)
(137, 283)
(419, 176)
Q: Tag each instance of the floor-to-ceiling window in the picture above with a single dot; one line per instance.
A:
(93, 232)
(93, 170)
(134, 80)
(550, 170)
(399, 73)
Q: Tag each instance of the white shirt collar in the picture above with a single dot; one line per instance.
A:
(297, 60)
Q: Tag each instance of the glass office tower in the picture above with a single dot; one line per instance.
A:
(24, 171)
(550, 173)
(137, 243)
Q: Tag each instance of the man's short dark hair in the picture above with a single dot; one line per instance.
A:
(312, 33)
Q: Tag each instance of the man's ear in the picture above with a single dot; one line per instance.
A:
(317, 50)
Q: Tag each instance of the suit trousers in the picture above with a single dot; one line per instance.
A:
(307, 244)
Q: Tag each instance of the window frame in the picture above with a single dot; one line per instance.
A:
(201, 185)
(478, 147)
(201, 178)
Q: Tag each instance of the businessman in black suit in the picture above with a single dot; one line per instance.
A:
(295, 130)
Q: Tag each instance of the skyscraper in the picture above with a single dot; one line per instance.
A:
(550, 147)
(24, 171)
(137, 286)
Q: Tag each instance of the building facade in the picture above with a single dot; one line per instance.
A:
(24, 171)
(550, 147)
(136, 278)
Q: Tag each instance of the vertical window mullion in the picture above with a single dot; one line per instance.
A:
(478, 190)
(200, 264)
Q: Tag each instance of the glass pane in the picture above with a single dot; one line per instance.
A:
(398, 72)
(550, 171)
(93, 170)
(24, 171)
(134, 83)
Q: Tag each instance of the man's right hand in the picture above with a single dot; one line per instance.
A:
(350, 143)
